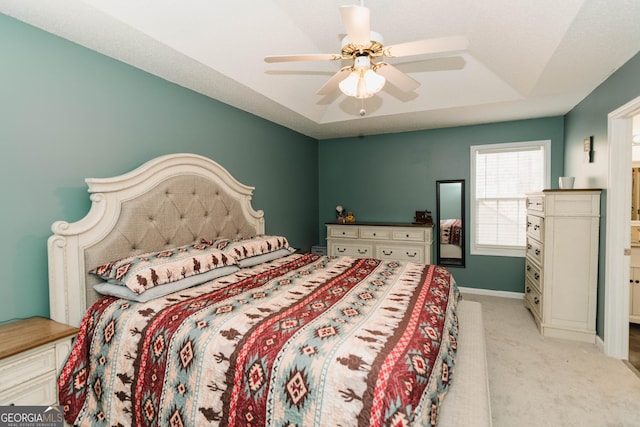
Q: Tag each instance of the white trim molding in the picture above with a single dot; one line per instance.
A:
(618, 219)
(491, 293)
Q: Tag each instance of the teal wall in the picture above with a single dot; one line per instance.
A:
(389, 177)
(67, 113)
(590, 118)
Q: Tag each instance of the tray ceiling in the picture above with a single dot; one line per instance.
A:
(525, 59)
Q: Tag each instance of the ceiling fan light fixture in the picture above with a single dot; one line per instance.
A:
(362, 84)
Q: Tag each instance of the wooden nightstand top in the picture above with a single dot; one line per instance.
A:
(25, 334)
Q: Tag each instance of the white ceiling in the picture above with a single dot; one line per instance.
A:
(526, 58)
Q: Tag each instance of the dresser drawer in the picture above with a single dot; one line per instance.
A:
(534, 250)
(343, 231)
(533, 274)
(374, 233)
(535, 203)
(533, 299)
(351, 249)
(409, 235)
(400, 253)
(16, 370)
(38, 391)
(535, 227)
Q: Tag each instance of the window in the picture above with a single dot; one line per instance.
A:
(501, 175)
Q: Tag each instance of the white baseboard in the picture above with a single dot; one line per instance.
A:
(492, 293)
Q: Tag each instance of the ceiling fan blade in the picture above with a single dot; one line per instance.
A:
(332, 83)
(356, 20)
(310, 57)
(429, 46)
(397, 77)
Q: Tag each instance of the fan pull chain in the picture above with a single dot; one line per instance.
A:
(363, 112)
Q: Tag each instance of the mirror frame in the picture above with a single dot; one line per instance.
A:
(439, 260)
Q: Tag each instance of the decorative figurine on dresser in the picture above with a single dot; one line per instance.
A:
(561, 264)
(423, 217)
(340, 214)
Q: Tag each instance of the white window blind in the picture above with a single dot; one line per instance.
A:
(501, 176)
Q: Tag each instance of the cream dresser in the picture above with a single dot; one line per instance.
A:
(561, 265)
(31, 353)
(391, 241)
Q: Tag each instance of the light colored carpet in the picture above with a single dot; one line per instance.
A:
(537, 381)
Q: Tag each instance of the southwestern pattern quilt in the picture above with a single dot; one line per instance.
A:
(301, 341)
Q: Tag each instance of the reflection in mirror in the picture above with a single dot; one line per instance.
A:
(450, 222)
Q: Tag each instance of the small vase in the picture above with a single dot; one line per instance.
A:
(566, 182)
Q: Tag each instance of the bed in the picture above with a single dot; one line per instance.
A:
(203, 319)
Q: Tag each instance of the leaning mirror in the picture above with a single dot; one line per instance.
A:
(450, 222)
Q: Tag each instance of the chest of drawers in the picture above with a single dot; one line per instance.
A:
(391, 241)
(31, 355)
(561, 265)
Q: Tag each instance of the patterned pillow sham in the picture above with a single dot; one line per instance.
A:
(145, 271)
(248, 247)
(119, 291)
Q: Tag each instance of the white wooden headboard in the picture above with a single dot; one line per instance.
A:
(169, 201)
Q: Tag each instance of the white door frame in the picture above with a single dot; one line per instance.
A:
(618, 220)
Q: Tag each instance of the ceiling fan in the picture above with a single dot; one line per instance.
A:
(368, 73)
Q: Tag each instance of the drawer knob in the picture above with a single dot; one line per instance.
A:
(407, 236)
(535, 227)
(374, 234)
(412, 255)
(528, 289)
(536, 300)
(537, 276)
(341, 250)
(537, 251)
(385, 252)
(529, 246)
(362, 251)
(528, 267)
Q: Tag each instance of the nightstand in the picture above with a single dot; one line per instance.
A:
(31, 353)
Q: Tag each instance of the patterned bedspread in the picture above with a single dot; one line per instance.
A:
(300, 341)
(451, 232)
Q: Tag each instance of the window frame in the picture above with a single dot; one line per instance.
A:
(498, 250)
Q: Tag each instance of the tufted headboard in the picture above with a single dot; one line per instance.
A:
(170, 201)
